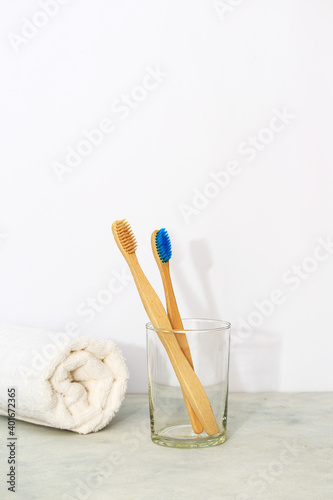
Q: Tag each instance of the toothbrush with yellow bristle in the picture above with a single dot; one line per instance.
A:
(188, 380)
(162, 250)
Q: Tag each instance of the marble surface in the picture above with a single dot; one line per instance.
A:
(279, 446)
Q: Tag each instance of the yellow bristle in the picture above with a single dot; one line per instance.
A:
(126, 236)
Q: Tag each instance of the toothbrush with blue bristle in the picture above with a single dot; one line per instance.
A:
(162, 251)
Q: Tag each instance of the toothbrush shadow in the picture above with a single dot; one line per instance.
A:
(203, 303)
(203, 262)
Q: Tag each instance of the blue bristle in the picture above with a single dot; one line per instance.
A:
(163, 245)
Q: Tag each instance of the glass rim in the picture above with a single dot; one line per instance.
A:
(223, 325)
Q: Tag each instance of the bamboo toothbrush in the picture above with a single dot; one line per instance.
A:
(188, 380)
(161, 246)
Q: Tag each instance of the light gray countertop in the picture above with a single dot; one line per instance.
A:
(279, 446)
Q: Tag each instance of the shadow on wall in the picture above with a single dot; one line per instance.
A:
(203, 262)
(136, 361)
(204, 303)
(255, 363)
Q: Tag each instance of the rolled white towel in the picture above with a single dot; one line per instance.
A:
(61, 380)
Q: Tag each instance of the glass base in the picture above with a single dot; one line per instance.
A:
(182, 436)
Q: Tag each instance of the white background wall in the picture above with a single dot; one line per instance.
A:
(226, 70)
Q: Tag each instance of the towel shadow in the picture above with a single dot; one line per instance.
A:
(136, 361)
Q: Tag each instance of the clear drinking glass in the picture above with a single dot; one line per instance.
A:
(170, 424)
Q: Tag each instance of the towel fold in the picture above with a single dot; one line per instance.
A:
(61, 380)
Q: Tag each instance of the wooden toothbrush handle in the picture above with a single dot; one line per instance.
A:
(188, 380)
(173, 313)
(190, 383)
(177, 324)
(195, 422)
